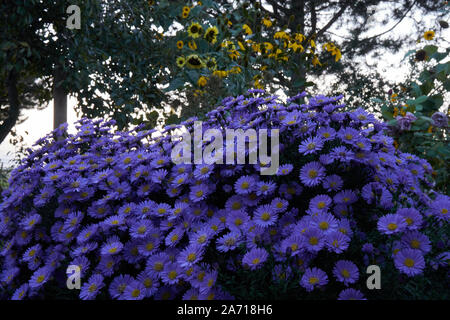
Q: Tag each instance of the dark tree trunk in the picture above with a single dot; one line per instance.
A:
(14, 106)
(298, 12)
(59, 100)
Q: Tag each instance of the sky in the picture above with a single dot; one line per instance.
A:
(40, 122)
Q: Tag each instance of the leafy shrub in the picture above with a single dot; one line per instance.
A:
(413, 112)
(140, 226)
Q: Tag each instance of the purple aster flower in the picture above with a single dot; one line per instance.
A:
(391, 223)
(265, 216)
(171, 274)
(279, 205)
(244, 185)
(190, 255)
(313, 240)
(161, 209)
(285, 169)
(341, 210)
(203, 171)
(116, 221)
(337, 241)
(416, 240)
(312, 278)
(135, 290)
(112, 246)
(312, 174)
(237, 220)
(440, 207)
(346, 271)
(255, 258)
(409, 261)
(141, 229)
(228, 241)
(412, 217)
(91, 288)
(351, 294)
(333, 183)
(348, 135)
(320, 203)
(40, 277)
(31, 221)
(341, 154)
(158, 176)
(150, 283)
(264, 188)
(404, 123)
(191, 294)
(311, 145)
(82, 262)
(345, 197)
(326, 133)
(292, 244)
(198, 192)
(21, 292)
(87, 233)
(32, 252)
(325, 222)
(440, 119)
(156, 264)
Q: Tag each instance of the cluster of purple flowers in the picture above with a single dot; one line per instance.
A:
(139, 226)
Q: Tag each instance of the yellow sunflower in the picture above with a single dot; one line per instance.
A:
(428, 35)
(202, 81)
(266, 22)
(180, 44)
(195, 30)
(247, 29)
(185, 12)
(211, 64)
(181, 61)
(192, 45)
(194, 62)
(235, 70)
(211, 34)
(220, 73)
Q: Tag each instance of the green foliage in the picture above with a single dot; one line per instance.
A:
(422, 95)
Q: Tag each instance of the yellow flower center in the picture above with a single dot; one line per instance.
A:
(313, 241)
(313, 280)
(409, 262)
(392, 226)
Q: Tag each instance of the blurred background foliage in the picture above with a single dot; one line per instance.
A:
(417, 109)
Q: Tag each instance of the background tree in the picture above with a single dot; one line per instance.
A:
(124, 61)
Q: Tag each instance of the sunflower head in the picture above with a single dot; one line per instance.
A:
(181, 61)
(266, 22)
(202, 81)
(194, 62)
(185, 12)
(195, 30)
(421, 55)
(180, 44)
(428, 35)
(211, 34)
(211, 64)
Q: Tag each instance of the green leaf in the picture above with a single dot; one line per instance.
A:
(175, 84)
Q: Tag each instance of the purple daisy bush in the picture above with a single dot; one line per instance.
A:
(139, 225)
